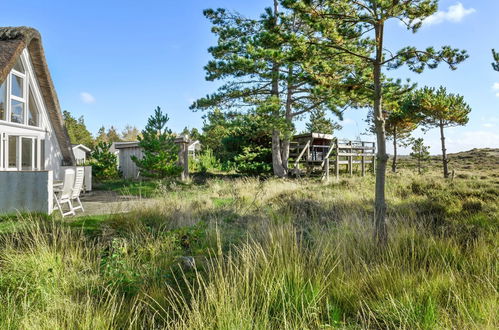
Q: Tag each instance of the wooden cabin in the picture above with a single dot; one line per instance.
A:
(317, 152)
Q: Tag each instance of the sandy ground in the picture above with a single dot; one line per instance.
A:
(109, 202)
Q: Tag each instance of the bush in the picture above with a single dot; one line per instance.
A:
(472, 205)
(104, 163)
(253, 161)
(205, 162)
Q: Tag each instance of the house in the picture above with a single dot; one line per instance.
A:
(80, 153)
(34, 144)
(194, 148)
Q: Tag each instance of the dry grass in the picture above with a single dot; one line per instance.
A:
(246, 253)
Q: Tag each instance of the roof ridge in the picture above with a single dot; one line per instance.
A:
(18, 32)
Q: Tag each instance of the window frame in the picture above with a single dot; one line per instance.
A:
(36, 156)
(28, 80)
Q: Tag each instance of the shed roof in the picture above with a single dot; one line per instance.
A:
(12, 42)
(124, 145)
(81, 146)
(314, 136)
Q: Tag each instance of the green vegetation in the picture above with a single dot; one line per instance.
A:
(123, 187)
(319, 123)
(104, 163)
(437, 108)
(246, 253)
(77, 130)
(420, 153)
(159, 148)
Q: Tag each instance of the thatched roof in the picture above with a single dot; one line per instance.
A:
(12, 42)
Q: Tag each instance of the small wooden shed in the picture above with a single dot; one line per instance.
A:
(125, 151)
(80, 152)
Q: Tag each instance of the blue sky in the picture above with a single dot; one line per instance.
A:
(114, 61)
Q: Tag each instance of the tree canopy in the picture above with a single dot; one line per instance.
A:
(356, 30)
(160, 153)
(77, 130)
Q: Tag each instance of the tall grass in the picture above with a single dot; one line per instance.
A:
(246, 254)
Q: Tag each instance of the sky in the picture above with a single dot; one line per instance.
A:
(114, 62)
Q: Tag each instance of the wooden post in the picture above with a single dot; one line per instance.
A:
(350, 160)
(183, 156)
(326, 168)
(337, 165)
(363, 161)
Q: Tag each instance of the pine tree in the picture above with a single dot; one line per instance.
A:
(495, 64)
(113, 135)
(264, 62)
(101, 135)
(399, 124)
(340, 22)
(77, 130)
(437, 108)
(104, 162)
(420, 152)
(159, 148)
(319, 123)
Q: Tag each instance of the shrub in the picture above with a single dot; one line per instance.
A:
(254, 161)
(472, 205)
(104, 163)
(205, 162)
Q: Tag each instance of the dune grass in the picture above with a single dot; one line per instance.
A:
(254, 254)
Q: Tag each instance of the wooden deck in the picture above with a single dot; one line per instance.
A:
(321, 152)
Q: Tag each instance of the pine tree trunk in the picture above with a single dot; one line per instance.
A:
(279, 169)
(394, 161)
(445, 162)
(380, 233)
(285, 152)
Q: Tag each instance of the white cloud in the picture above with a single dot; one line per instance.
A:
(474, 139)
(495, 88)
(87, 98)
(458, 140)
(454, 14)
(488, 125)
(347, 121)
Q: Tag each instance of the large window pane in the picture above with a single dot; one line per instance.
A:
(26, 154)
(17, 86)
(12, 162)
(3, 100)
(17, 112)
(33, 114)
(35, 160)
(19, 66)
(42, 155)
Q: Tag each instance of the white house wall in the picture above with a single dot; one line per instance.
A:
(53, 155)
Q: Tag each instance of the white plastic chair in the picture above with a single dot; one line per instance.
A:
(78, 187)
(65, 193)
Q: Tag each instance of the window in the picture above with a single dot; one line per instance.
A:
(23, 153)
(19, 66)
(17, 87)
(27, 154)
(33, 113)
(17, 100)
(17, 112)
(3, 98)
(42, 155)
(12, 162)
